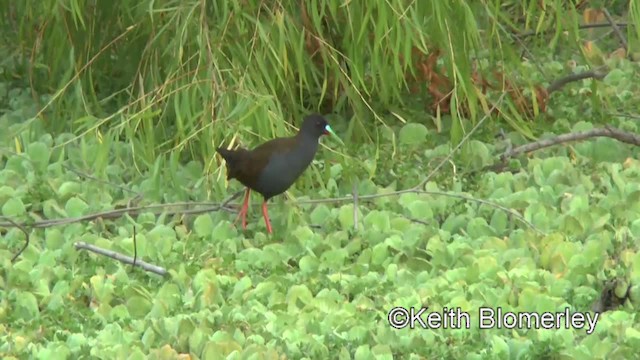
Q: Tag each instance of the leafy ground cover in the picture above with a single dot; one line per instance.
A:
(320, 287)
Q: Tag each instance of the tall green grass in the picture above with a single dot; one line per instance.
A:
(186, 76)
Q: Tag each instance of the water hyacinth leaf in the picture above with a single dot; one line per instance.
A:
(14, 207)
(76, 207)
(377, 220)
(27, 306)
(413, 134)
(298, 297)
(345, 216)
(203, 225)
(39, 153)
(363, 352)
(320, 214)
(309, 264)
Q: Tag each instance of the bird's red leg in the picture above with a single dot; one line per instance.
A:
(243, 211)
(265, 213)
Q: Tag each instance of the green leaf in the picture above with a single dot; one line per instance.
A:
(69, 188)
(138, 306)
(54, 239)
(27, 306)
(265, 288)
(420, 210)
(136, 354)
(52, 209)
(75, 342)
(333, 259)
(382, 352)
(241, 287)
(614, 77)
(345, 216)
(499, 221)
(477, 154)
(320, 214)
(219, 349)
(102, 290)
(377, 220)
(308, 264)
(478, 228)
(363, 353)
(76, 207)
(197, 340)
(6, 193)
(635, 270)
(203, 225)
(206, 286)
(633, 335)
(392, 271)
(163, 238)
(379, 254)
(169, 296)
(298, 294)
(413, 134)
(39, 154)
(54, 350)
(499, 347)
(14, 207)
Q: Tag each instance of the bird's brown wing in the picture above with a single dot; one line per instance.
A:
(250, 167)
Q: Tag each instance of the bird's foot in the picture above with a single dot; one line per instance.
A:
(242, 215)
(265, 214)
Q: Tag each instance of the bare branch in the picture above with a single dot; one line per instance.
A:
(598, 74)
(135, 248)
(121, 257)
(132, 211)
(608, 131)
(26, 240)
(581, 27)
(616, 29)
(355, 205)
(462, 142)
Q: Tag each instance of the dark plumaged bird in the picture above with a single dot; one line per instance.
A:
(271, 168)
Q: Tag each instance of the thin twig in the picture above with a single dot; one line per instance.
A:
(91, 177)
(137, 210)
(132, 202)
(355, 205)
(135, 248)
(580, 27)
(616, 29)
(231, 198)
(122, 258)
(26, 240)
(417, 221)
(428, 192)
(114, 214)
(525, 50)
(628, 116)
(462, 142)
(132, 211)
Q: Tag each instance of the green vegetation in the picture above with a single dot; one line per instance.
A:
(116, 108)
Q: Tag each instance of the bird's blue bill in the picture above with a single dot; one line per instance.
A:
(329, 130)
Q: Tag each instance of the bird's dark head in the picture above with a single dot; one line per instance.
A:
(316, 126)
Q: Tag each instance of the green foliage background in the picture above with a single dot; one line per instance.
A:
(108, 105)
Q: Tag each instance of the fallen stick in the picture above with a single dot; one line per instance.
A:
(122, 258)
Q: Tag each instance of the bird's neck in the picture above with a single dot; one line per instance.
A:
(304, 138)
(307, 144)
